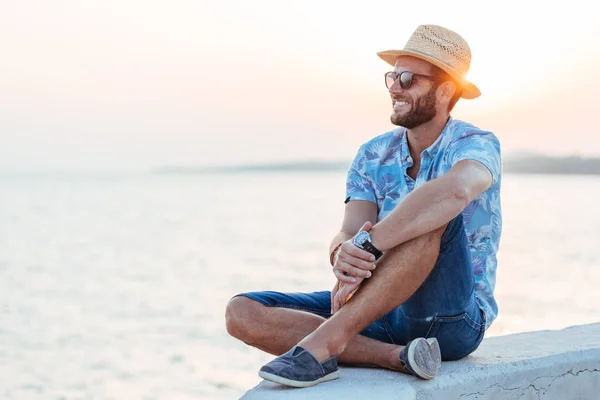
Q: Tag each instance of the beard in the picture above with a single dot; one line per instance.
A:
(422, 111)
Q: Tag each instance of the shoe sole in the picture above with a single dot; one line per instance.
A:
(429, 350)
(299, 384)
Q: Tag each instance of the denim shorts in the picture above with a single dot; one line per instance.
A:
(445, 306)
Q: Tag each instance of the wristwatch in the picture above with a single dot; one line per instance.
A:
(362, 240)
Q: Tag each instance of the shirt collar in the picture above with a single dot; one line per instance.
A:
(404, 150)
(431, 151)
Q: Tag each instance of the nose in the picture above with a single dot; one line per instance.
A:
(395, 87)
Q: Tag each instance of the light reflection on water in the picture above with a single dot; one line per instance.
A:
(115, 286)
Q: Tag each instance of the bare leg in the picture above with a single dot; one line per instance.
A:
(276, 330)
(399, 274)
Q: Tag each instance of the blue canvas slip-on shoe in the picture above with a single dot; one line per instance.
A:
(422, 357)
(299, 368)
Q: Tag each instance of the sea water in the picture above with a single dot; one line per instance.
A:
(114, 286)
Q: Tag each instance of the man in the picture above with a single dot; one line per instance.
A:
(416, 287)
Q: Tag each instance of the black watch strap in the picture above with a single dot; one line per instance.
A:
(368, 246)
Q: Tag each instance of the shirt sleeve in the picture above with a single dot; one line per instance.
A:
(480, 146)
(359, 185)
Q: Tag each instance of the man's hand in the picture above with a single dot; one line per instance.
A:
(353, 264)
(341, 293)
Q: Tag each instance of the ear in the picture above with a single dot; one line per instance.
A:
(448, 89)
(445, 92)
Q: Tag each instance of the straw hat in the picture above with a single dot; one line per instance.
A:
(441, 47)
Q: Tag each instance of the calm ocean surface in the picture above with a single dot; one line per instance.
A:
(114, 286)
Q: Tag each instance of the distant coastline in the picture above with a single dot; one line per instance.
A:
(530, 164)
(307, 166)
(539, 164)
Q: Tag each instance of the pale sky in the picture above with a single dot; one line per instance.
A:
(132, 84)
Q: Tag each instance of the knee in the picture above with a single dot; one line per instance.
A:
(429, 242)
(241, 317)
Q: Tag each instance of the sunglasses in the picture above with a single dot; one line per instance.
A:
(404, 78)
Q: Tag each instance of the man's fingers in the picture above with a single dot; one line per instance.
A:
(366, 226)
(343, 278)
(351, 271)
(334, 291)
(358, 263)
(348, 249)
(353, 262)
(342, 295)
(356, 272)
(335, 306)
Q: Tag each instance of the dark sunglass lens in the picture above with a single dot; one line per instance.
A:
(406, 79)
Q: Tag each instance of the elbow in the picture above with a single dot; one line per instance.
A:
(461, 193)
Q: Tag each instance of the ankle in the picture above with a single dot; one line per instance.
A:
(393, 360)
(323, 347)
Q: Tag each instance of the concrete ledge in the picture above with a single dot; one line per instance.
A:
(562, 364)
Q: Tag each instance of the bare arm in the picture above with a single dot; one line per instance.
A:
(432, 205)
(356, 214)
(351, 264)
(350, 261)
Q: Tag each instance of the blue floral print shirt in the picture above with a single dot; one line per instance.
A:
(378, 174)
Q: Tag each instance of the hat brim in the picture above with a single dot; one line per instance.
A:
(470, 91)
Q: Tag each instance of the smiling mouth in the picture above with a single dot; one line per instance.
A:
(398, 105)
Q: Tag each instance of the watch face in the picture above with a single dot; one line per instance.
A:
(361, 238)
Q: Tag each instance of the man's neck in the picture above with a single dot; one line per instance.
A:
(423, 136)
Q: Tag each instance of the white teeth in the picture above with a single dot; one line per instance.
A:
(400, 103)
